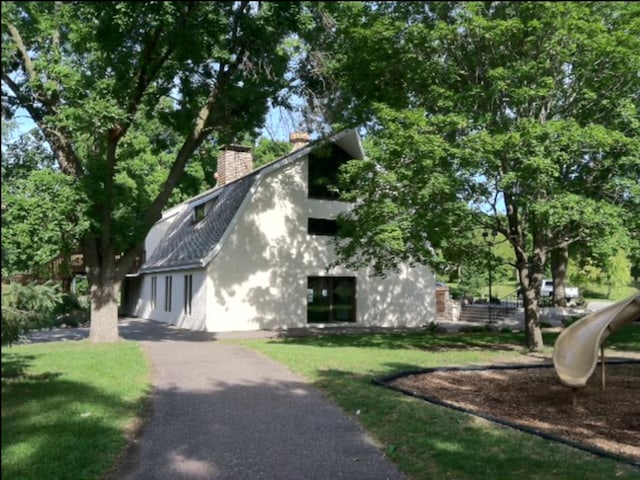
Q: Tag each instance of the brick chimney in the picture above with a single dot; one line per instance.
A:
(234, 161)
(298, 140)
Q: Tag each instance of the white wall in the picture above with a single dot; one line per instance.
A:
(259, 278)
(177, 315)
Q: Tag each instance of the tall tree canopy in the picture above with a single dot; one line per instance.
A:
(515, 117)
(125, 93)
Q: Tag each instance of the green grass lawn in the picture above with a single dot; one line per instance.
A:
(589, 292)
(66, 408)
(428, 441)
(595, 292)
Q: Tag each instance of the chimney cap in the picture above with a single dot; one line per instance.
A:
(235, 147)
(299, 137)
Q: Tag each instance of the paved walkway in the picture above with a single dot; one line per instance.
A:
(220, 411)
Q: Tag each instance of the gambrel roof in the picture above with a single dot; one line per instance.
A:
(190, 244)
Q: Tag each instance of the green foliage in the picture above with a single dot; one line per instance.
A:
(131, 95)
(517, 117)
(43, 219)
(26, 308)
(267, 150)
(614, 274)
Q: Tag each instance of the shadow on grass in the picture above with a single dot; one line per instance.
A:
(56, 428)
(432, 441)
(420, 340)
(627, 338)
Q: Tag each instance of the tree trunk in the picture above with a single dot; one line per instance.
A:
(530, 282)
(559, 262)
(104, 313)
(105, 290)
(533, 333)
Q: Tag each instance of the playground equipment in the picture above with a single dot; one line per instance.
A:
(576, 350)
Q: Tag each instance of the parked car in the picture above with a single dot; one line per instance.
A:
(569, 292)
(546, 290)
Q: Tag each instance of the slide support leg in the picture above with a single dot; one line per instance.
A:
(602, 366)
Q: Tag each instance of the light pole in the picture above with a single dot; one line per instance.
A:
(485, 234)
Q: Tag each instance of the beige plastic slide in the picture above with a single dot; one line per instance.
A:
(576, 351)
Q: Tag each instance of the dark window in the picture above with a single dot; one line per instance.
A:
(331, 299)
(324, 164)
(168, 280)
(198, 213)
(188, 293)
(322, 226)
(154, 292)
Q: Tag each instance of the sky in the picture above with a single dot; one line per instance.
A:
(279, 124)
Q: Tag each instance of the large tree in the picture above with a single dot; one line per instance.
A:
(525, 111)
(125, 93)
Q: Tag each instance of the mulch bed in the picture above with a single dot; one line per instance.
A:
(534, 398)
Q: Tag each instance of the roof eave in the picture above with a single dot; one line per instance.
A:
(192, 266)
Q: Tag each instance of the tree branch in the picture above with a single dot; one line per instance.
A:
(59, 142)
(17, 39)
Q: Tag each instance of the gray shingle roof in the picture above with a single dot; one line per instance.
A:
(187, 242)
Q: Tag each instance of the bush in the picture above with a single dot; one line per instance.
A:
(456, 292)
(432, 327)
(71, 311)
(27, 307)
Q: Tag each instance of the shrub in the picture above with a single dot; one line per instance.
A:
(456, 292)
(432, 327)
(26, 308)
(71, 311)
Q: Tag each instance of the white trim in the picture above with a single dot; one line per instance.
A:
(193, 266)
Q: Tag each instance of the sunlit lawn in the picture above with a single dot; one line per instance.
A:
(428, 441)
(65, 408)
(589, 292)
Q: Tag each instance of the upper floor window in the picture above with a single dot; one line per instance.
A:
(324, 164)
(198, 213)
(322, 226)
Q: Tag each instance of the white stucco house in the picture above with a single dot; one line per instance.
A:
(253, 253)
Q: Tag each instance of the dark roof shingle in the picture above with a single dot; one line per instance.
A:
(187, 243)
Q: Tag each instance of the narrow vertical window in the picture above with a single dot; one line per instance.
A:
(188, 293)
(154, 292)
(167, 293)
